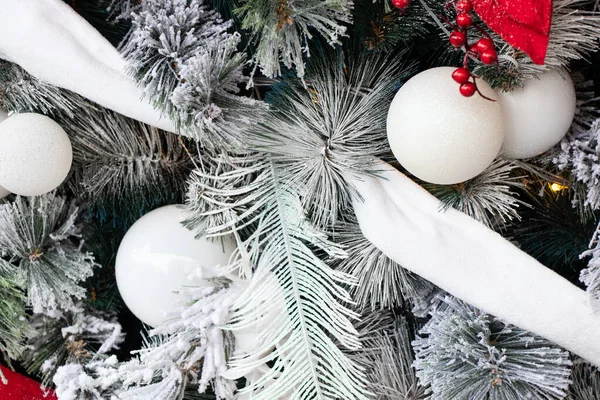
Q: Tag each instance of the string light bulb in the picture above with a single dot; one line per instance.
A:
(557, 187)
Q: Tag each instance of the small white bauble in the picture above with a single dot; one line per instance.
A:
(35, 154)
(157, 257)
(537, 116)
(439, 135)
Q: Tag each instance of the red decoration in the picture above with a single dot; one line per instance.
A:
(461, 75)
(457, 38)
(464, 20)
(401, 4)
(464, 6)
(483, 45)
(468, 89)
(524, 24)
(20, 387)
(489, 57)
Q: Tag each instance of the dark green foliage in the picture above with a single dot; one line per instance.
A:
(379, 26)
(99, 15)
(552, 231)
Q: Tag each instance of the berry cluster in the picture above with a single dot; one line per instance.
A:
(483, 49)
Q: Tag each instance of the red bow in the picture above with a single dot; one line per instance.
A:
(524, 24)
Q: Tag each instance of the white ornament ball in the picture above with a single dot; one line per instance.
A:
(439, 135)
(157, 257)
(35, 154)
(537, 116)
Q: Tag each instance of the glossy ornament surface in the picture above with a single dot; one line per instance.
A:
(158, 256)
(538, 115)
(439, 135)
(35, 154)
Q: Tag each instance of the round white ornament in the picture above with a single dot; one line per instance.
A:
(157, 258)
(35, 154)
(439, 135)
(537, 116)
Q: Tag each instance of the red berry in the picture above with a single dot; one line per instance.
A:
(464, 6)
(468, 89)
(401, 4)
(461, 75)
(457, 38)
(489, 57)
(464, 20)
(483, 45)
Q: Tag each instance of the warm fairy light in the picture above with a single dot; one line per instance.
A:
(557, 187)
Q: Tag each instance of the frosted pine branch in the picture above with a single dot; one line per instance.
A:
(40, 239)
(217, 189)
(14, 323)
(382, 283)
(387, 354)
(464, 354)
(74, 336)
(281, 29)
(331, 127)
(120, 162)
(164, 36)
(590, 276)
(191, 348)
(490, 197)
(207, 103)
(22, 92)
(586, 381)
(180, 52)
(122, 9)
(97, 380)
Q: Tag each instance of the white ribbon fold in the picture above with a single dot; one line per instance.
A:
(53, 43)
(473, 263)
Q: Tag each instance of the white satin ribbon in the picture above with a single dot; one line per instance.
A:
(53, 43)
(473, 263)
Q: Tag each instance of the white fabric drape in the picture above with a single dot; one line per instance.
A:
(52, 42)
(473, 263)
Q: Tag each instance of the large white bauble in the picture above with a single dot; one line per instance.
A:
(157, 257)
(35, 154)
(439, 135)
(537, 116)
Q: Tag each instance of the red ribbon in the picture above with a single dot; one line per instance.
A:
(524, 24)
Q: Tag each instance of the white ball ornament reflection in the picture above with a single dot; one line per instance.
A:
(156, 259)
(35, 154)
(538, 115)
(439, 135)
